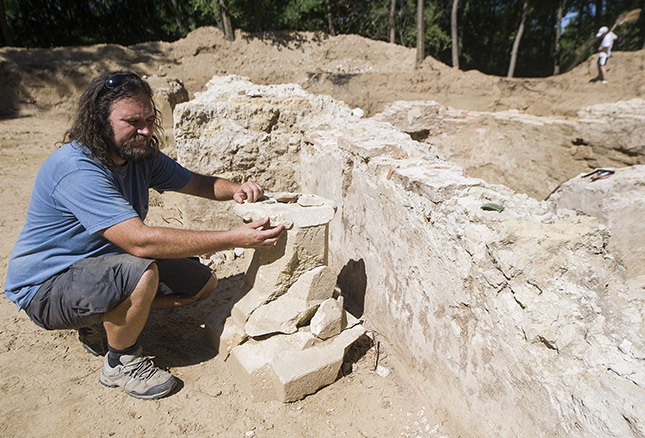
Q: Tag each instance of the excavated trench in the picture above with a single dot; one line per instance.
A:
(503, 314)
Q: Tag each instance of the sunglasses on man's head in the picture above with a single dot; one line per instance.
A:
(117, 79)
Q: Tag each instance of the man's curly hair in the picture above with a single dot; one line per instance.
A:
(91, 126)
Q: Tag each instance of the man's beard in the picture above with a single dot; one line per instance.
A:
(134, 153)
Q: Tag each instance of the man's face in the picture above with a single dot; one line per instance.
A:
(132, 121)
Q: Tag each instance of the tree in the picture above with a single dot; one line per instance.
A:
(558, 35)
(257, 15)
(177, 14)
(226, 20)
(598, 16)
(420, 32)
(6, 36)
(330, 18)
(453, 33)
(518, 38)
(393, 21)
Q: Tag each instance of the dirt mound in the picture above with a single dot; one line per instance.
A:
(359, 71)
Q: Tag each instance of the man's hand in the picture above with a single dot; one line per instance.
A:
(257, 234)
(248, 191)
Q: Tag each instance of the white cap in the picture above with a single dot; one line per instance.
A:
(603, 30)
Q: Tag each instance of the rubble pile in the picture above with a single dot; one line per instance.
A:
(288, 334)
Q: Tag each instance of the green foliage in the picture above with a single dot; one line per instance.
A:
(436, 34)
(200, 13)
(46, 23)
(304, 15)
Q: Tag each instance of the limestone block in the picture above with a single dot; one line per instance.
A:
(274, 269)
(283, 315)
(286, 313)
(314, 286)
(302, 247)
(308, 211)
(168, 92)
(281, 368)
(222, 332)
(328, 320)
(618, 128)
(617, 202)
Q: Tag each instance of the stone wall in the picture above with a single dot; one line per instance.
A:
(517, 323)
(530, 154)
(616, 200)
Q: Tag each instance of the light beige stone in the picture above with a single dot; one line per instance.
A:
(309, 210)
(617, 202)
(328, 321)
(286, 313)
(281, 368)
(222, 332)
(530, 154)
(301, 248)
(283, 315)
(168, 93)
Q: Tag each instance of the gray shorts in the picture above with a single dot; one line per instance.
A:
(79, 296)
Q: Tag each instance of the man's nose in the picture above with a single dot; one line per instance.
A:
(145, 130)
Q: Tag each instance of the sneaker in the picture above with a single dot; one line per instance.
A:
(138, 376)
(604, 82)
(93, 339)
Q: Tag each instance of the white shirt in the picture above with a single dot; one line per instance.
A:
(608, 41)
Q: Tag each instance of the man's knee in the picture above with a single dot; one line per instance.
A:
(149, 281)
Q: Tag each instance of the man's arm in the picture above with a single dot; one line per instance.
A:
(212, 187)
(141, 240)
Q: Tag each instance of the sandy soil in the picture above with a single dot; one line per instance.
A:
(49, 385)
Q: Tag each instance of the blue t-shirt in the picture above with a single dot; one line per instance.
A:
(73, 198)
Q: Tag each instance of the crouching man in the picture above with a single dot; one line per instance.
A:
(85, 260)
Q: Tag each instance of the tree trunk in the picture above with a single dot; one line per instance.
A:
(420, 32)
(330, 18)
(177, 14)
(226, 19)
(257, 15)
(598, 17)
(558, 34)
(392, 21)
(518, 38)
(5, 27)
(453, 33)
(641, 23)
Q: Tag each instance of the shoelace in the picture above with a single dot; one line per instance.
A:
(140, 368)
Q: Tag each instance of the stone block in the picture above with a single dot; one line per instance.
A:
(329, 319)
(286, 313)
(222, 331)
(314, 286)
(617, 202)
(281, 368)
(283, 315)
(302, 247)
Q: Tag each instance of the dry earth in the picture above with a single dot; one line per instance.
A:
(49, 386)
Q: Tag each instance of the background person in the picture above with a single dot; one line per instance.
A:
(85, 259)
(604, 51)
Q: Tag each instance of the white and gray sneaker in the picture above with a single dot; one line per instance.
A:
(138, 376)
